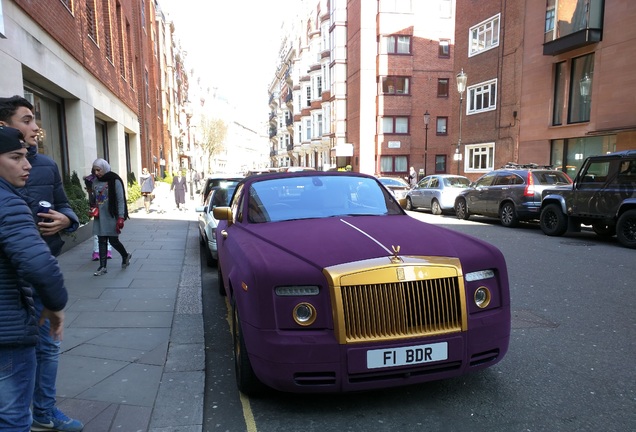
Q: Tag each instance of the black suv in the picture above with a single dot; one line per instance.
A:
(511, 193)
(602, 195)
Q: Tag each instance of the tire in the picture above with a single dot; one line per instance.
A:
(604, 230)
(508, 215)
(435, 208)
(552, 221)
(626, 229)
(461, 210)
(409, 204)
(246, 379)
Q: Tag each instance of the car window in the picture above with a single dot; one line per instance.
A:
(456, 182)
(506, 179)
(434, 183)
(485, 180)
(292, 198)
(551, 178)
(423, 183)
(237, 205)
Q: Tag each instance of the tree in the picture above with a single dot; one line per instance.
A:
(213, 133)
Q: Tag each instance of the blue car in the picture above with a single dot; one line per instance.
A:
(436, 192)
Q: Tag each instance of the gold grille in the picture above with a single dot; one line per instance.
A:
(399, 310)
(415, 297)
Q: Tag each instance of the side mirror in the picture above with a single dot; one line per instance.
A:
(222, 213)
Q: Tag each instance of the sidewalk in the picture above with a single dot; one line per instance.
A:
(133, 350)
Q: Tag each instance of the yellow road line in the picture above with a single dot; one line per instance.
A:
(248, 415)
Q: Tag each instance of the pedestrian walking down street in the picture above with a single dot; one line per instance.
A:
(180, 187)
(112, 211)
(196, 178)
(88, 184)
(25, 258)
(147, 188)
(412, 178)
(43, 185)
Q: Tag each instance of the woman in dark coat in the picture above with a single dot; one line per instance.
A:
(180, 188)
(110, 199)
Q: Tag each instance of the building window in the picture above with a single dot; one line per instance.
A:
(91, 20)
(395, 85)
(397, 44)
(122, 41)
(308, 130)
(581, 89)
(147, 87)
(482, 97)
(319, 125)
(108, 42)
(319, 85)
(444, 48)
(440, 163)
(394, 164)
(395, 125)
(480, 157)
(442, 87)
(484, 36)
(308, 96)
(68, 4)
(442, 126)
(559, 94)
(143, 14)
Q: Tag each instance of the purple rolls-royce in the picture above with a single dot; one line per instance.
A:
(334, 288)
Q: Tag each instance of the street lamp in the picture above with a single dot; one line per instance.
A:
(427, 119)
(461, 86)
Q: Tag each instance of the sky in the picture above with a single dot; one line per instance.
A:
(233, 46)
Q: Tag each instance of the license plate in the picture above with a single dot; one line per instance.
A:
(405, 356)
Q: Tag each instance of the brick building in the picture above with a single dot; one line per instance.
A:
(94, 72)
(548, 82)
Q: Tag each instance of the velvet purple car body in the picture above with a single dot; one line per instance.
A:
(334, 288)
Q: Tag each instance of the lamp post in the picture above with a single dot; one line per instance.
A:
(461, 86)
(427, 119)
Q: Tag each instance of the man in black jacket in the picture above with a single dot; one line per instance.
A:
(44, 184)
(24, 257)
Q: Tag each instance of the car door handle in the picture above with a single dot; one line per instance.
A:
(224, 234)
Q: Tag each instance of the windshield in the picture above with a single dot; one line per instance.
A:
(457, 182)
(393, 182)
(318, 197)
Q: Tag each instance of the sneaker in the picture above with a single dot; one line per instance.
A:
(100, 271)
(56, 420)
(95, 256)
(109, 255)
(126, 261)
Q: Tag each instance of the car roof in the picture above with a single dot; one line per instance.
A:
(277, 175)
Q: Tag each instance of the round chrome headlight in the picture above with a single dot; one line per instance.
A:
(304, 314)
(482, 297)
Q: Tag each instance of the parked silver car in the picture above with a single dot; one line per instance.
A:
(218, 196)
(436, 192)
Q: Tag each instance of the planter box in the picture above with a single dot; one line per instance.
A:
(82, 234)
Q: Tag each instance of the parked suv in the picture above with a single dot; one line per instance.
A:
(512, 193)
(602, 195)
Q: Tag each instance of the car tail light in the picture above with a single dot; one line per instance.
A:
(529, 190)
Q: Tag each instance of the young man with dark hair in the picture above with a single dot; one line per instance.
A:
(44, 184)
(25, 259)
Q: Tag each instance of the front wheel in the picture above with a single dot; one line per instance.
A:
(508, 215)
(626, 229)
(461, 211)
(246, 379)
(553, 222)
(409, 204)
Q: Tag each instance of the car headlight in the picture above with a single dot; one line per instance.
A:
(297, 290)
(479, 275)
(304, 314)
(482, 297)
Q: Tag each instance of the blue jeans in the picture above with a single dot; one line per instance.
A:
(47, 354)
(17, 378)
